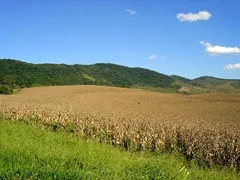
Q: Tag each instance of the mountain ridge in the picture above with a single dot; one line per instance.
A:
(30, 74)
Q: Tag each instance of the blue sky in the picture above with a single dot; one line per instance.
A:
(160, 35)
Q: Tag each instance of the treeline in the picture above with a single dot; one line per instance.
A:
(17, 74)
(7, 84)
(28, 75)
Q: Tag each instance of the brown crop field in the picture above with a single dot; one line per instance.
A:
(203, 127)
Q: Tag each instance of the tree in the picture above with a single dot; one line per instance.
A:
(8, 80)
(5, 90)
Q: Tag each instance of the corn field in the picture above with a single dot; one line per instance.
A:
(204, 128)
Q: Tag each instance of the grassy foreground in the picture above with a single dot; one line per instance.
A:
(27, 152)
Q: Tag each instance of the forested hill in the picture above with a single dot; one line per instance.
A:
(25, 74)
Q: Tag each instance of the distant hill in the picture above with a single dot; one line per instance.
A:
(28, 75)
(179, 80)
(216, 84)
(208, 81)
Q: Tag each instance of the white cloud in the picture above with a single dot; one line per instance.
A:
(152, 57)
(164, 56)
(192, 17)
(131, 12)
(216, 49)
(232, 66)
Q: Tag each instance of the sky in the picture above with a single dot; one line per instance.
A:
(190, 38)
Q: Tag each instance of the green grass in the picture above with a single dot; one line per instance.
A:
(89, 77)
(28, 152)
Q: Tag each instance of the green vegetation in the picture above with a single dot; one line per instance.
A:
(27, 75)
(30, 153)
(88, 77)
(7, 84)
(22, 74)
(213, 84)
(180, 79)
(5, 89)
(207, 84)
